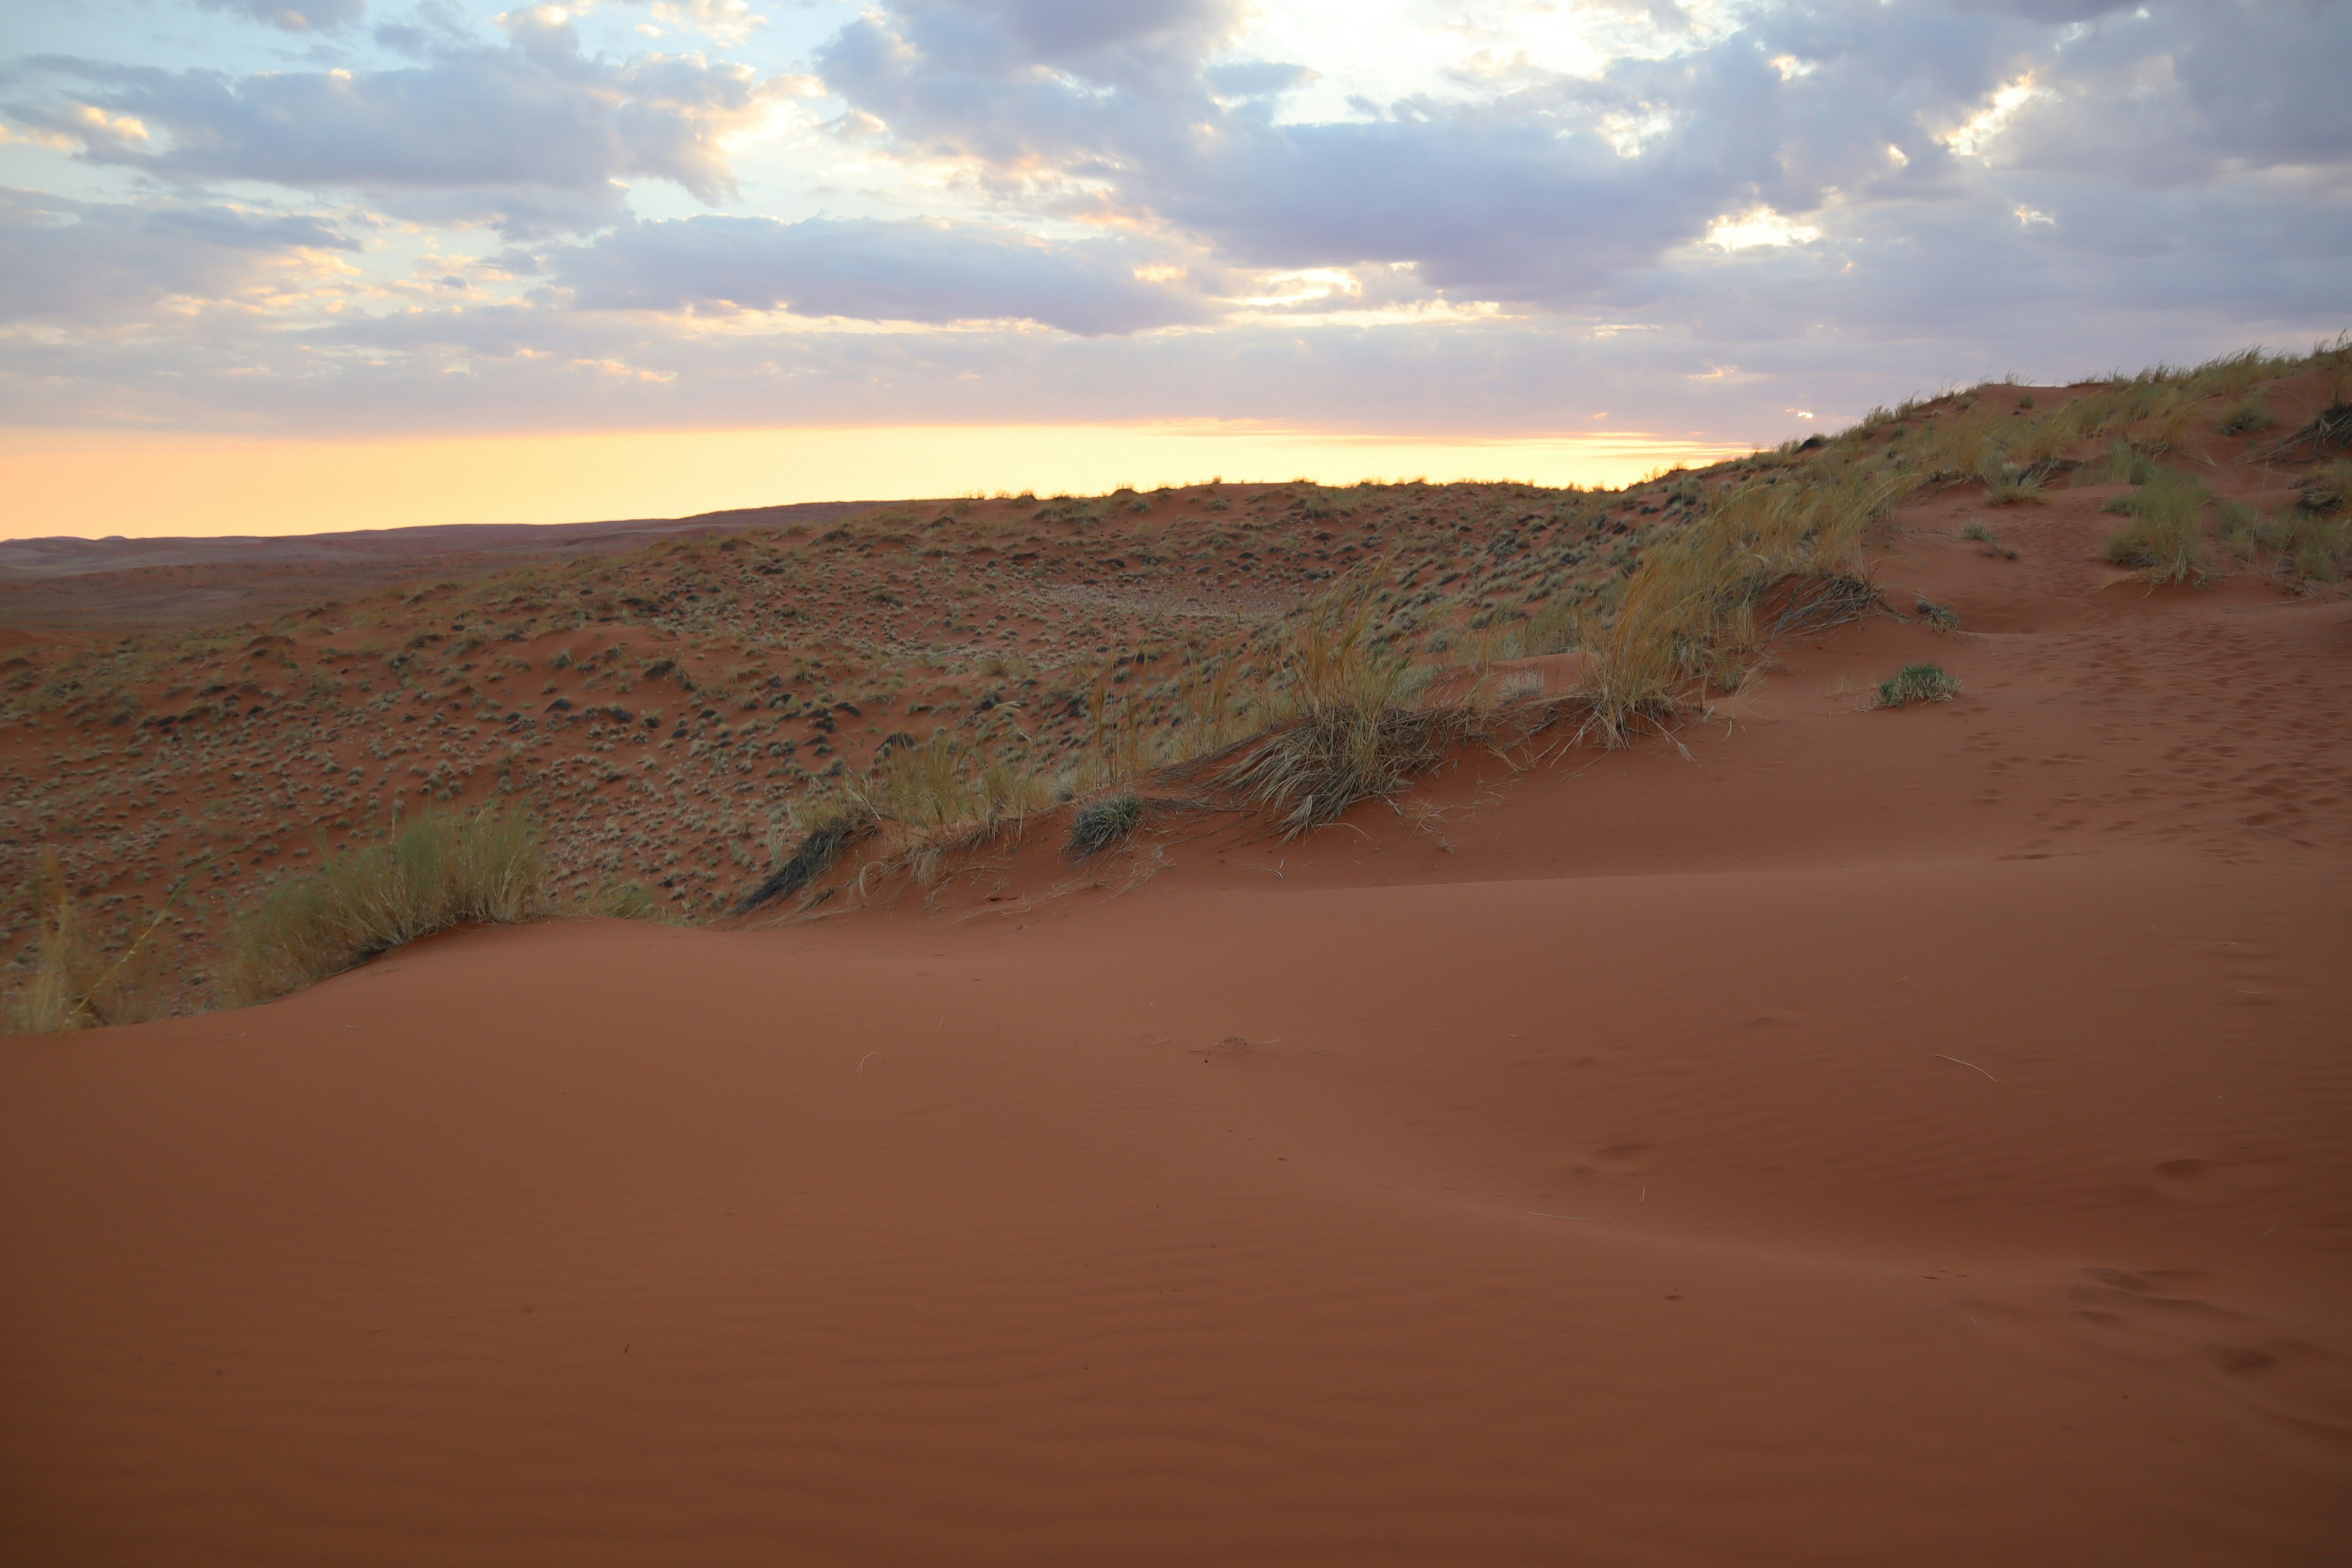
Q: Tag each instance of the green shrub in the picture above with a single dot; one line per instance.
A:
(1918, 683)
(1940, 616)
(437, 872)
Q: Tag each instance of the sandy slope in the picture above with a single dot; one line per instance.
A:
(1878, 1138)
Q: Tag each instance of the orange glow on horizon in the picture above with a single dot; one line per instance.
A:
(94, 483)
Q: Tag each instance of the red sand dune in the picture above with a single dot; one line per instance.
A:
(1871, 1138)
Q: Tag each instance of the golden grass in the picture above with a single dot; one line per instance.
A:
(1690, 613)
(75, 983)
(435, 873)
(1346, 726)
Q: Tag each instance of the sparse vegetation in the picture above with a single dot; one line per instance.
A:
(1940, 616)
(918, 680)
(1917, 683)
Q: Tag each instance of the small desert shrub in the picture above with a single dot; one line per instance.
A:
(1974, 529)
(1104, 823)
(437, 872)
(2164, 540)
(1940, 616)
(1918, 683)
(75, 983)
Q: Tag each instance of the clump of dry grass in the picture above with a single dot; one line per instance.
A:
(2164, 540)
(2124, 464)
(1690, 614)
(437, 872)
(1346, 725)
(2007, 484)
(75, 983)
(1104, 823)
(2246, 416)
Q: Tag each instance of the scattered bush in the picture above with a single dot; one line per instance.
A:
(1104, 823)
(1918, 683)
(1940, 616)
(1976, 532)
(437, 872)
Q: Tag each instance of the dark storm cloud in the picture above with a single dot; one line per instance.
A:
(879, 272)
(95, 263)
(533, 114)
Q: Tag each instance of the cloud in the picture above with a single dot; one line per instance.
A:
(936, 273)
(2193, 92)
(94, 264)
(294, 15)
(534, 118)
(1843, 200)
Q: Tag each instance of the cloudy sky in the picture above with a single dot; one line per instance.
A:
(1435, 221)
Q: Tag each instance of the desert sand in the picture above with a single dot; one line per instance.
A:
(1825, 1135)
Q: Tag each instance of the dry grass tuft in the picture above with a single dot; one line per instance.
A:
(2164, 540)
(75, 983)
(1690, 613)
(1346, 726)
(435, 873)
(1105, 824)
